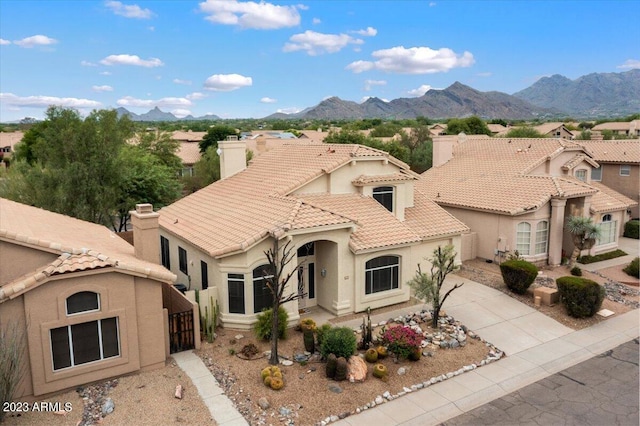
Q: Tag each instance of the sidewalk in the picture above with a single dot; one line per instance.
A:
(536, 347)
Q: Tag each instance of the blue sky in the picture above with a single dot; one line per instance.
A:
(241, 59)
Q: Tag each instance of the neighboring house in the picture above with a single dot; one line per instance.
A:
(189, 149)
(356, 223)
(516, 194)
(497, 129)
(314, 135)
(555, 130)
(624, 128)
(8, 141)
(438, 129)
(619, 169)
(90, 304)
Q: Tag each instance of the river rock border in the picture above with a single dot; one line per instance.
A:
(450, 331)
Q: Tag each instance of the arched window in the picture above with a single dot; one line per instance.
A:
(262, 298)
(384, 195)
(381, 274)
(542, 236)
(607, 230)
(523, 238)
(83, 301)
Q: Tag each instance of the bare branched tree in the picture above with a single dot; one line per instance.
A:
(277, 281)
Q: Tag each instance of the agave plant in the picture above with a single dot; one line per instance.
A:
(584, 233)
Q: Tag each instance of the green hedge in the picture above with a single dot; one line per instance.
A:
(632, 229)
(518, 275)
(600, 257)
(581, 297)
(633, 268)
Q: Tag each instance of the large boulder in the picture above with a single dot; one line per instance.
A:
(356, 369)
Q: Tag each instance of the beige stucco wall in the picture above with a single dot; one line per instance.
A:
(626, 185)
(17, 260)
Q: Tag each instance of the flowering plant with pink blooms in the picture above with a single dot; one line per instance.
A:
(401, 340)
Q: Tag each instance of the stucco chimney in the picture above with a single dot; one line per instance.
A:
(442, 149)
(146, 233)
(233, 158)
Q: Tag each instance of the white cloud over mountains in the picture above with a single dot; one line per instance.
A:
(227, 82)
(45, 101)
(131, 60)
(315, 43)
(36, 40)
(629, 64)
(129, 11)
(130, 101)
(251, 15)
(413, 60)
(268, 100)
(420, 90)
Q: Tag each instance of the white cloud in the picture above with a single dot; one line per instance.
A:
(227, 82)
(368, 84)
(629, 64)
(45, 101)
(316, 21)
(180, 112)
(249, 14)
(36, 40)
(414, 60)
(150, 103)
(365, 98)
(369, 32)
(420, 90)
(267, 100)
(129, 11)
(195, 96)
(105, 73)
(88, 64)
(185, 82)
(131, 60)
(3, 42)
(317, 43)
(291, 110)
(104, 88)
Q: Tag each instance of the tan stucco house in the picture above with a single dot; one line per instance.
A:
(619, 169)
(516, 194)
(357, 223)
(91, 306)
(624, 128)
(554, 130)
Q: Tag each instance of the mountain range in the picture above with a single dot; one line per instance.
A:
(591, 96)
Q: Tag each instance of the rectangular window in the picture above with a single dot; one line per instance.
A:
(581, 175)
(164, 252)
(384, 195)
(523, 238)
(204, 273)
(236, 293)
(79, 344)
(607, 232)
(625, 170)
(596, 174)
(542, 234)
(182, 258)
(312, 281)
(381, 274)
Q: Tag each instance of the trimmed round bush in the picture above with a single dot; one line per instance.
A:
(340, 341)
(633, 269)
(262, 328)
(518, 275)
(582, 297)
(321, 331)
(576, 272)
(632, 229)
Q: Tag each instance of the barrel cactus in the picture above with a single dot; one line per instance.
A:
(380, 371)
(371, 355)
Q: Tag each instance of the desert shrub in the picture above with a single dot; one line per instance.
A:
(632, 229)
(602, 256)
(401, 341)
(518, 275)
(340, 341)
(581, 297)
(633, 268)
(12, 361)
(576, 272)
(262, 328)
(321, 332)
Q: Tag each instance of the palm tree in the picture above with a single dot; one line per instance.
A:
(584, 233)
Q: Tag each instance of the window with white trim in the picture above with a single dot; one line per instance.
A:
(79, 344)
(523, 238)
(262, 297)
(625, 170)
(596, 174)
(384, 195)
(607, 230)
(581, 175)
(381, 274)
(542, 236)
(235, 284)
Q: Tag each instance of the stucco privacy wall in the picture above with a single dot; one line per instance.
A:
(137, 303)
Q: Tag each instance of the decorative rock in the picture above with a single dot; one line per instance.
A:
(444, 345)
(356, 369)
(406, 389)
(264, 403)
(284, 411)
(402, 371)
(454, 343)
(427, 353)
(335, 388)
(344, 415)
(449, 375)
(238, 336)
(108, 406)
(379, 400)
(386, 395)
(334, 418)
(286, 362)
(178, 393)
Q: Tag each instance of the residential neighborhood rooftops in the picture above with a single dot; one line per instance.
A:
(614, 151)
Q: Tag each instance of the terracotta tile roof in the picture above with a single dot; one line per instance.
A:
(577, 159)
(615, 151)
(233, 214)
(607, 200)
(545, 128)
(390, 178)
(376, 226)
(618, 125)
(189, 153)
(83, 245)
(429, 220)
(189, 136)
(491, 175)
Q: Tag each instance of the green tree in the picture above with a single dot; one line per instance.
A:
(207, 168)
(427, 286)
(523, 132)
(471, 126)
(162, 146)
(421, 158)
(584, 234)
(385, 130)
(216, 134)
(584, 135)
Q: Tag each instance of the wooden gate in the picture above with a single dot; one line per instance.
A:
(181, 331)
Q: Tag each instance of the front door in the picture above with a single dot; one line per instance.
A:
(307, 276)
